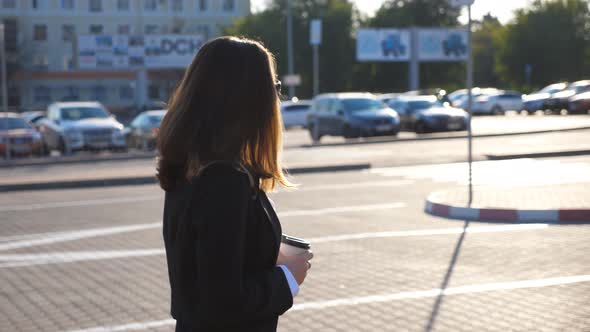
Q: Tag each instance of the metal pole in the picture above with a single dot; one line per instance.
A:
(469, 104)
(290, 47)
(414, 71)
(4, 90)
(316, 70)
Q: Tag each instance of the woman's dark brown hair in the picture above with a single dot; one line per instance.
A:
(225, 108)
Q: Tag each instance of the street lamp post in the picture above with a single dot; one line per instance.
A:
(4, 90)
(290, 64)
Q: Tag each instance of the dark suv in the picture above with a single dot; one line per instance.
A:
(454, 45)
(351, 115)
(392, 44)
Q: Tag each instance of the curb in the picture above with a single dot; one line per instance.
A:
(440, 137)
(141, 180)
(568, 153)
(555, 216)
(69, 160)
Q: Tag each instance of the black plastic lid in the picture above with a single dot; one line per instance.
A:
(295, 242)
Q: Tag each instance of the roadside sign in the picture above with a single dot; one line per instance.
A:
(460, 3)
(383, 45)
(439, 44)
(291, 80)
(315, 33)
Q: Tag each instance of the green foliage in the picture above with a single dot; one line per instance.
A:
(552, 36)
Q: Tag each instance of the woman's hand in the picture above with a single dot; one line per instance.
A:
(298, 264)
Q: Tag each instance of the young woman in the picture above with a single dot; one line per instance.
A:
(219, 146)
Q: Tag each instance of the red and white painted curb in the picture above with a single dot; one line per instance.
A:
(556, 216)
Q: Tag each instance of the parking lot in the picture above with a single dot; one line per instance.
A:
(93, 259)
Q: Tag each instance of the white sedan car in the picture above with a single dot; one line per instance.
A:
(498, 103)
(295, 113)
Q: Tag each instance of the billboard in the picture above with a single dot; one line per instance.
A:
(442, 44)
(383, 45)
(123, 51)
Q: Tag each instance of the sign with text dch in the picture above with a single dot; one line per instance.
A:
(149, 51)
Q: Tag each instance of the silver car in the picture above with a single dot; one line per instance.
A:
(72, 126)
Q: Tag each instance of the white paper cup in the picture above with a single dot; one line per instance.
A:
(289, 250)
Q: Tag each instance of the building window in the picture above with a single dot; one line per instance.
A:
(67, 4)
(177, 5)
(96, 29)
(39, 4)
(68, 32)
(229, 5)
(40, 61)
(124, 29)
(125, 92)
(95, 6)
(41, 94)
(72, 93)
(40, 32)
(203, 5)
(154, 92)
(202, 30)
(99, 93)
(123, 5)
(9, 4)
(150, 5)
(151, 29)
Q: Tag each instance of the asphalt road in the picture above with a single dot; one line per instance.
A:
(377, 154)
(93, 259)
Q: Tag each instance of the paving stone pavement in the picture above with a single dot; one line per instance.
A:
(119, 290)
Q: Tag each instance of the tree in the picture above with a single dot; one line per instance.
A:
(336, 51)
(552, 37)
(484, 51)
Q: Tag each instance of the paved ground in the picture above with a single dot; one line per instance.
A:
(85, 259)
(376, 154)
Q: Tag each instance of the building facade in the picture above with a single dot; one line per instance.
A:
(42, 39)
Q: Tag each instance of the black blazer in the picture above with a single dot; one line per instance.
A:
(221, 249)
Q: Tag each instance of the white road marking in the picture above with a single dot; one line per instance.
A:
(468, 289)
(17, 260)
(76, 235)
(427, 232)
(91, 202)
(389, 297)
(358, 208)
(20, 260)
(339, 186)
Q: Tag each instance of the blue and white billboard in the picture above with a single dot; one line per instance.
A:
(383, 45)
(442, 44)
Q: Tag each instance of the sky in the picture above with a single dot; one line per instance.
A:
(501, 8)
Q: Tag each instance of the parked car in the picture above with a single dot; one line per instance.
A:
(386, 97)
(142, 132)
(424, 114)
(72, 126)
(22, 138)
(295, 113)
(560, 100)
(497, 103)
(458, 98)
(580, 103)
(351, 115)
(538, 100)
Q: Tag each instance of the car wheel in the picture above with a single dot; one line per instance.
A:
(421, 128)
(497, 110)
(349, 132)
(312, 133)
(61, 146)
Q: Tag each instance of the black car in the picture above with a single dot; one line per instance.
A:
(560, 100)
(538, 100)
(424, 114)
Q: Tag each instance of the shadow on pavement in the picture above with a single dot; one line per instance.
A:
(446, 280)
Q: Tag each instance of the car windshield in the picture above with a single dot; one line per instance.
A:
(580, 88)
(415, 105)
(79, 113)
(361, 104)
(13, 123)
(155, 119)
(297, 108)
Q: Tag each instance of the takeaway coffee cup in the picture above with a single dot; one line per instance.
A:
(291, 246)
